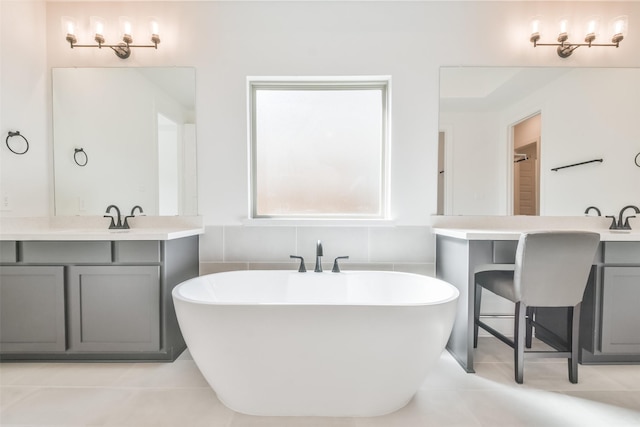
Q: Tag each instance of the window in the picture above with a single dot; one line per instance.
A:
(319, 149)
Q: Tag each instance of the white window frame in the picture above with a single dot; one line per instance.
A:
(321, 83)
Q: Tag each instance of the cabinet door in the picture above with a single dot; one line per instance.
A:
(620, 313)
(114, 308)
(32, 309)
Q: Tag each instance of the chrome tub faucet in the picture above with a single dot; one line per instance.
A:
(319, 254)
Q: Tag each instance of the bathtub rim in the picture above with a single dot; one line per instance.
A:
(175, 293)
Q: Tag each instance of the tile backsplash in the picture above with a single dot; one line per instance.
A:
(239, 247)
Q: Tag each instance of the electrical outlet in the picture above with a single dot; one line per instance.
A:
(81, 206)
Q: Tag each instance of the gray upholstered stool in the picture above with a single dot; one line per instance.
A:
(551, 270)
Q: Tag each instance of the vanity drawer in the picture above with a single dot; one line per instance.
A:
(622, 253)
(8, 251)
(137, 251)
(66, 252)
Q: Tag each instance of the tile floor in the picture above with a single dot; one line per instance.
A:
(175, 394)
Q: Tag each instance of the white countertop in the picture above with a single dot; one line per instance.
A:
(495, 234)
(510, 227)
(97, 228)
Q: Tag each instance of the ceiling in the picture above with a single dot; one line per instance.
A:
(464, 89)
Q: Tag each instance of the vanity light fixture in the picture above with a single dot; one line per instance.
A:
(123, 49)
(566, 48)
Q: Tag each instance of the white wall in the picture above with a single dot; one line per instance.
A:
(227, 41)
(25, 180)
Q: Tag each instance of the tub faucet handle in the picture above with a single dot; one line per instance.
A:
(336, 267)
(302, 268)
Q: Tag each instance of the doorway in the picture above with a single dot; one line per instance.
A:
(526, 166)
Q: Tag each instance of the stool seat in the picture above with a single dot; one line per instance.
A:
(499, 282)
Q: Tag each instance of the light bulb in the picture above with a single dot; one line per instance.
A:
(97, 24)
(592, 28)
(155, 31)
(535, 31)
(564, 24)
(535, 26)
(69, 29)
(125, 28)
(564, 29)
(619, 29)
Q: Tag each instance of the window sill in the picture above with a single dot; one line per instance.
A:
(302, 222)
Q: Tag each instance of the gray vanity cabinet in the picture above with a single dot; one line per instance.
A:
(610, 315)
(97, 300)
(114, 308)
(32, 308)
(620, 313)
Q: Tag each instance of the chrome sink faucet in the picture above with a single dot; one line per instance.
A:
(115, 225)
(586, 212)
(133, 214)
(626, 225)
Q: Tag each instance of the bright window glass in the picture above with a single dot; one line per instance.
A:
(318, 149)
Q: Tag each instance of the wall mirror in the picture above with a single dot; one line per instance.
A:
(124, 136)
(493, 118)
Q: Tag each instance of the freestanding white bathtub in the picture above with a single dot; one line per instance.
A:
(315, 344)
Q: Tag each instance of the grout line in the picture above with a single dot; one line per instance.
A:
(224, 243)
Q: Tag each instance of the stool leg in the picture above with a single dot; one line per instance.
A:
(529, 336)
(575, 344)
(476, 314)
(519, 341)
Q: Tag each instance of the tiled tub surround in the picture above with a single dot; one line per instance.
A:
(408, 248)
(391, 248)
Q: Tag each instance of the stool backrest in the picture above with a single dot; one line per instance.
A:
(552, 267)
